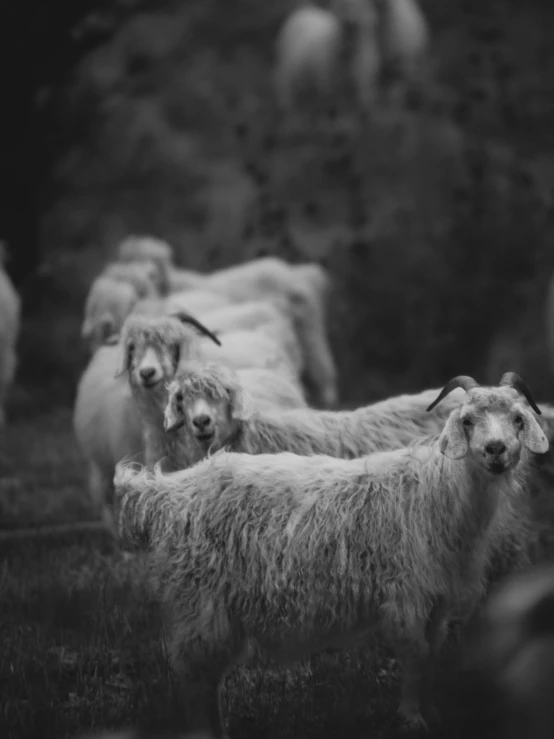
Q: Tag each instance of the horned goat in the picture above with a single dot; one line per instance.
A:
(232, 423)
(212, 394)
(10, 313)
(513, 652)
(152, 350)
(297, 553)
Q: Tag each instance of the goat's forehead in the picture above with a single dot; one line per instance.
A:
(487, 400)
(152, 333)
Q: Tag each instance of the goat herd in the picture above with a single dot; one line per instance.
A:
(276, 529)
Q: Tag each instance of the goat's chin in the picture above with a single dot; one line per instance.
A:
(500, 466)
(205, 440)
(141, 384)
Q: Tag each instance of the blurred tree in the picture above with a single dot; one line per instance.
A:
(42, 43)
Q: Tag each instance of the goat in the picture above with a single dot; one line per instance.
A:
(302, 289)
(298, 553)
(232, 422)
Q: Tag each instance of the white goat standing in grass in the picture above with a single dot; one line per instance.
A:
(10, 313)
(299, 553)
(231, 420)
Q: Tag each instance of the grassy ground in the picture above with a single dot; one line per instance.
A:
(81, 645)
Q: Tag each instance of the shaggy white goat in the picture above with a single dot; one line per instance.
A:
(229, 419)
(108, 303)
(303, 289)
(107, 426)
(10, 312)
(152, 350)
(271, 316)
(297, 553)
(232, 421)
(143, 276)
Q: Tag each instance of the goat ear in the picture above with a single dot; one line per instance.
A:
(172, 419)
(112, 340)
(124, 360)
(453, 443)
(533, 436)
(241, 407)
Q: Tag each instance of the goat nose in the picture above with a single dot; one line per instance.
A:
(147, 373)
(495, 447)
(201, 421)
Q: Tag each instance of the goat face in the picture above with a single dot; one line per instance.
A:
(207, 419)
(492, 425)
(208, 401)
(150, 353)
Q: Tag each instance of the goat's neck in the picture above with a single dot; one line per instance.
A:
(467, 506)
(151, 404)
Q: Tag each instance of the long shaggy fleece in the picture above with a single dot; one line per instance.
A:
(298, 553)
(389, 424)
(304, 291)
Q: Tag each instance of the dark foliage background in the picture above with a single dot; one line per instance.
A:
(435, 224)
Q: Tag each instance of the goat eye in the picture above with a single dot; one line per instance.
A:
(518, 419)
(179, 397)
(467, 422)
(177, 352)
(131, 347)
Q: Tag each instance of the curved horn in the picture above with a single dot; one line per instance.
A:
(512, 379)
(463, 381)
(187, 318)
